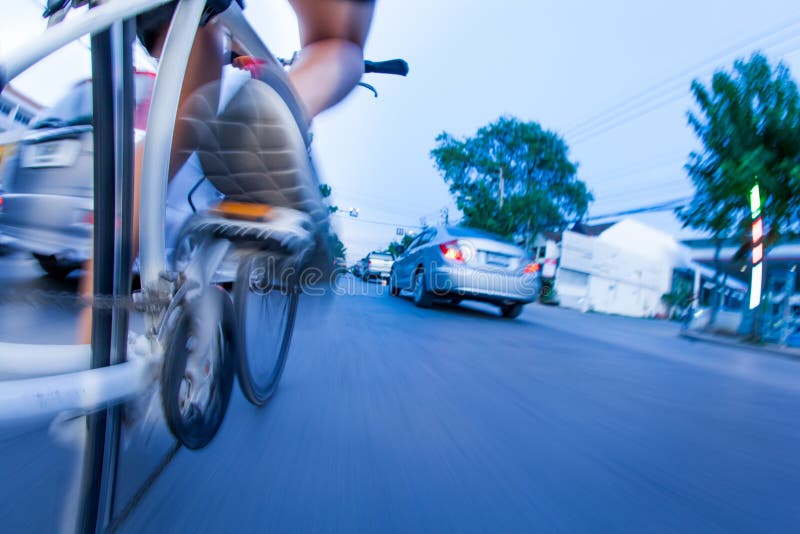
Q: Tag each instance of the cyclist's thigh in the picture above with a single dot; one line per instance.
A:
(333, 19)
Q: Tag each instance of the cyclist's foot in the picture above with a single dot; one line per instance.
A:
(253, 150)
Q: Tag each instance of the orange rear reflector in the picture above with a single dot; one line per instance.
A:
(242, 210)
(531, 268)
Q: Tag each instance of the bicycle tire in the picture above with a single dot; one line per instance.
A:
(192, 427)
(262, 358)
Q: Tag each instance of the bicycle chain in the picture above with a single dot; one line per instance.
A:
(64, 299)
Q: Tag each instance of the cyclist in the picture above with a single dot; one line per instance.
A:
(328, 66)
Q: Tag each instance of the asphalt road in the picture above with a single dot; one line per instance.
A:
(395, 418)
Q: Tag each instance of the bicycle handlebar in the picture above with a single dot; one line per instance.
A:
(398, 67)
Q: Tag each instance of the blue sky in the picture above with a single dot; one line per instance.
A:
(559, 63)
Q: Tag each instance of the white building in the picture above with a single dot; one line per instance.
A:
(623, 268)
(16, 109)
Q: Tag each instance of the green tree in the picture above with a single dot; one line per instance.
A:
(394, 246)
(512, 178)
(338, 249)
(748, 121)
(326, 190)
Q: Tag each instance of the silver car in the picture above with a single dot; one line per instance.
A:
(456, 264)
(47, 187)
(376, 265)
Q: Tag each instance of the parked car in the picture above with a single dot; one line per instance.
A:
(339, 265)
(377, 265)
(456, 264)
(46, 207)
(8, 148)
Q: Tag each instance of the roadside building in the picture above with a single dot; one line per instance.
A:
(781, 295)
(16, 109)
(625, 268)
(16, 113)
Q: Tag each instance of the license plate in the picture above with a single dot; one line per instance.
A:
(61, 153)
(497, 259)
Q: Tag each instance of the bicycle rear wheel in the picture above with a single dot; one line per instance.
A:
(266, 304)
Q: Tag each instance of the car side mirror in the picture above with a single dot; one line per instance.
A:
(400, 249)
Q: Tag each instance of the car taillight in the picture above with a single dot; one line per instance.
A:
(532, 268)
(451, 251)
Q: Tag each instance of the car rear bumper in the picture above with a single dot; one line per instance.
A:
(49, 225)
(488, 286)
(378, 272)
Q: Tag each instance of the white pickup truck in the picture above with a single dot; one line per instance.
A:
(377, 265)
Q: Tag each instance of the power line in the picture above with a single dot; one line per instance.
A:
(641, 110)
(615, 176)
(661, 206)
(380, 223)
(671, 183)
(635, 108)
(645, 95)
(344, 192)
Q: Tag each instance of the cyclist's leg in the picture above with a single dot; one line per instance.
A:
(205, 65)
(331, 62)
(329, 65)
(85, 289)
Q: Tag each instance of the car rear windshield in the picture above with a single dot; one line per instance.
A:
(75, 107)
(460, 231)
(381, 256)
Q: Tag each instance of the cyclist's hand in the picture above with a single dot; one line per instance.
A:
(253, 65)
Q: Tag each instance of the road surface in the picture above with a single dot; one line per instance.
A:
(395, 418)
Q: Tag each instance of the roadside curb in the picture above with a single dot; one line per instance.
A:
(786, 352)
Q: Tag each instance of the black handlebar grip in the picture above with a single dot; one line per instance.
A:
(398, 67)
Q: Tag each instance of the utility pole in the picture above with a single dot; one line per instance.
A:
(445, 213)
(502, 187)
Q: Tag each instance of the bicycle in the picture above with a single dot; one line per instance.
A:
(196, 336)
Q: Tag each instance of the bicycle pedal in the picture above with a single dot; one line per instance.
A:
(281, 230)
(247, 211)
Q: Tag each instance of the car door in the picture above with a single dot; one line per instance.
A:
(414, 257)
(402, 264)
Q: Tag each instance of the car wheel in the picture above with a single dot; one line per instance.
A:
(393, 289)
(53, 267)
(511, 311)
(421, 296)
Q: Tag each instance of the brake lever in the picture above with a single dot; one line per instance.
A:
(371, 88)
(288, 62)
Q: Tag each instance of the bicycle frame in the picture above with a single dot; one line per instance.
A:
(85, 391)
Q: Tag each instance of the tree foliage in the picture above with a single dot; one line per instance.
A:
(512, 178)
(394, 246)
(748, 122)
(337, 248)
(326, 191)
